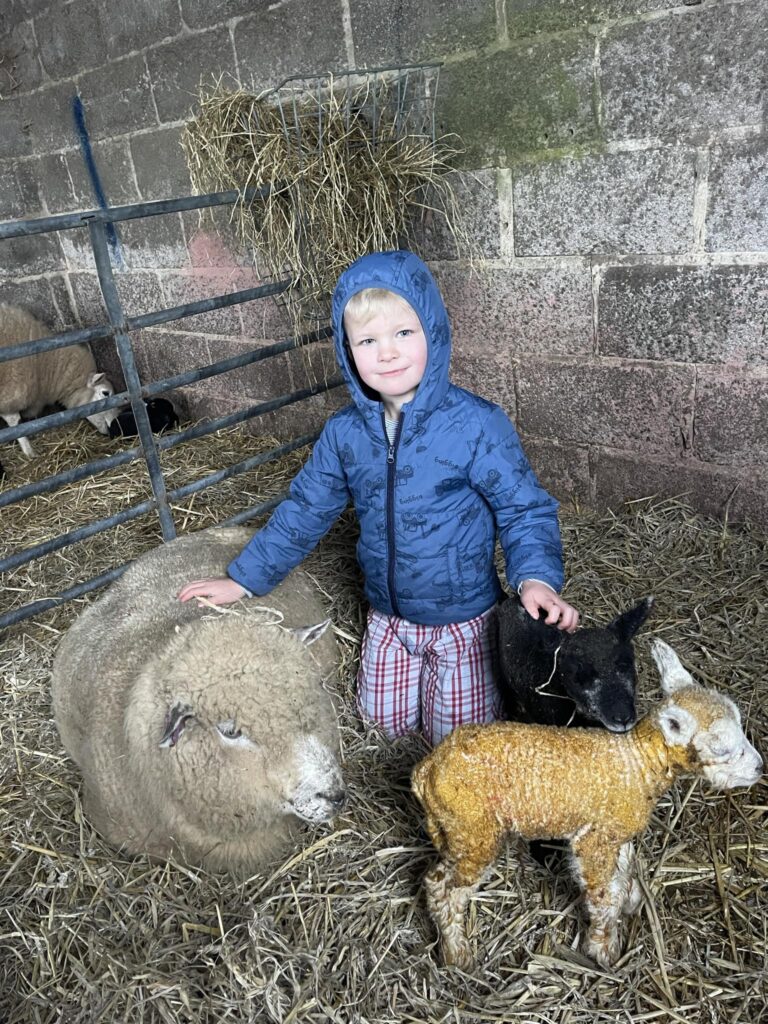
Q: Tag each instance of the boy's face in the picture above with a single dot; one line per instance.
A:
(389, 350)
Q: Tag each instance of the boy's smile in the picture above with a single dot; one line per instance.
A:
(389, 351)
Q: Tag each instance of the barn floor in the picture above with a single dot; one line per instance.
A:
(339, 931)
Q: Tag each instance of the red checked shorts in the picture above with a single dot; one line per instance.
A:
(431, 678)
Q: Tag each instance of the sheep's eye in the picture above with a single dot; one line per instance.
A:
(719, 750)
(229, 730)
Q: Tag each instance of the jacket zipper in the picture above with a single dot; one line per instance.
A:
(391, 468)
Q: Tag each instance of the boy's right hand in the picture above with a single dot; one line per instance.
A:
(537, 597)
(218, 590)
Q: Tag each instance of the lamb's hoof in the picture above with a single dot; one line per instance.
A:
(633, 898)
(605, 950)
(459, 956)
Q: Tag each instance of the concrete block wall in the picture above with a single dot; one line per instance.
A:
(614, 179)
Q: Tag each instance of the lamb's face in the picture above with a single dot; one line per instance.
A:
(725, 756)
(598, 674)
(705, 722)
(594, 666)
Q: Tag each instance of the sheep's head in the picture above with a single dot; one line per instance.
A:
(234, 718)
(706, 723)
(97, 387)
(596, 667)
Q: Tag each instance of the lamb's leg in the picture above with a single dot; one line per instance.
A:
(449, 886)
(447, 903)
(13, 419)
(632, 895)
(603, 872)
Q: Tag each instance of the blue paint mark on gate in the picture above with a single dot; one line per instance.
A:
(78, 113)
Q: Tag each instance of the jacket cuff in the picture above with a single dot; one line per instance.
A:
(237, 577)
(528, 579)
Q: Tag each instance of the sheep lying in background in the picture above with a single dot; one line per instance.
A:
(200, 734)
(556, 678)
(595, 788)
(64, 375)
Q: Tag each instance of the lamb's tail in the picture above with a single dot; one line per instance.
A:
(422, 784)
(419, 777)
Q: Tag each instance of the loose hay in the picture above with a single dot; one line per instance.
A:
(350, 174)
(338, 932)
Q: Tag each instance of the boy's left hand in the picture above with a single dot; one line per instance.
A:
(536, 597)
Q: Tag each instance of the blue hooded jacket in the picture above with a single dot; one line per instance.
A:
(430, 504)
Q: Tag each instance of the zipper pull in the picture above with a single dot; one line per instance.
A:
(391, 454)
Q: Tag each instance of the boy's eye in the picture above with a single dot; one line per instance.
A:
(405, 332)
(363, 341)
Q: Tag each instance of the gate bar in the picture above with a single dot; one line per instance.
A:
(67, 539)
(88, 469)
(97, 230)
(66, 221)
(43, 605)
(136, 323)
(158, 387)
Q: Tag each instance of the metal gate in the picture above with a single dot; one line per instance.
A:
(99, 223)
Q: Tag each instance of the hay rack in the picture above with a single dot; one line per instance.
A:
(353, 159)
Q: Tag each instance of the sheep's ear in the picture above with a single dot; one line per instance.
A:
(95, 378)
(673, 676)
(308, 634)
(176, 719)
(629, 622)
(678, 725)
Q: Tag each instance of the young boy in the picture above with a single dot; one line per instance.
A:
(434, 471)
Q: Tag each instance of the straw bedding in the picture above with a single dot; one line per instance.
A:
(338, 932)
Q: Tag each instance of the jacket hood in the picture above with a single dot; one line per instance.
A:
(409, 277)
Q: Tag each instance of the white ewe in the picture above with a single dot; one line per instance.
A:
(200, 734)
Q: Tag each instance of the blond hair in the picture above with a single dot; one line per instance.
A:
(364, 305)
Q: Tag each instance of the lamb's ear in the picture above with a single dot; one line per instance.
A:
(176, 718)
(308, 634)
(677, 724)
(673, 676)
(630, 621)
(95, 378)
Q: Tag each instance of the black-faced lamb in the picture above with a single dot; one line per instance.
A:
(161, 413)
(67, 376)
(551, 677)
(201, 734)
(595, 788)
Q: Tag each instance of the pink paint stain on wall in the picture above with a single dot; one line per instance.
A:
(215, 266)
(209, 250)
